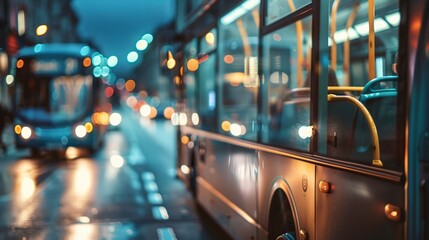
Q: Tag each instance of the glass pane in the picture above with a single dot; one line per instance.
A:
(286, 69)
(58, 99)
(356, 64)
(190, 81)
(238, 72)
(207, 94)
(277, 9)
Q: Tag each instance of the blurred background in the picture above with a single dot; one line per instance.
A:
(120, 182)
(128, 33)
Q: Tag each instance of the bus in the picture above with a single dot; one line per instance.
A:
(58, 97)
(305, 119)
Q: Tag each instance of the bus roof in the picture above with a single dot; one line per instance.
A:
(70, 49)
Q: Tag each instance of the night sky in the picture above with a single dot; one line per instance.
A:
(116, 25)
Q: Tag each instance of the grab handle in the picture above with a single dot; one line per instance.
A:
(372, 127)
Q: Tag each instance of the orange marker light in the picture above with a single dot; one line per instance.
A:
(20, 63)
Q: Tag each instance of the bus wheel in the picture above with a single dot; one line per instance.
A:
(281, 224)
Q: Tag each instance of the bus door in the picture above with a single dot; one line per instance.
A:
(359, 187)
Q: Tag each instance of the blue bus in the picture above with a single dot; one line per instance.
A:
(58, 98)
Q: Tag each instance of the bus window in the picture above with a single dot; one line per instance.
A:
(286, 65)
(206, 81)
(358, 55)
(46, 99)
(238, 72)
(189, 80)
(278, 9)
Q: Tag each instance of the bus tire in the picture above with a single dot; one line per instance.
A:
(280, 220)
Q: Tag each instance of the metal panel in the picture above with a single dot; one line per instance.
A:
(228, 173)
(354, 207)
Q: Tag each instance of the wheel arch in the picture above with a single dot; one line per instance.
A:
(280, 186)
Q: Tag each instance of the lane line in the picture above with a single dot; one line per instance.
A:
(166, 234)
(151, 187)
(154, 198)
(148, 176)
(160, 213)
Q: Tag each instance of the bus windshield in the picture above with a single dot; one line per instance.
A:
(46, 95)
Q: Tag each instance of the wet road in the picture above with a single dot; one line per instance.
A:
(126, 190)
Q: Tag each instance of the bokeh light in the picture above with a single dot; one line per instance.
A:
(148, 37)
(86, 62)
(84, 50)
(192, 65)
(108, 92)
(115, 119)
(41, 30)
(141, 44)
(130, 85)
(112, 61)
(132, 57)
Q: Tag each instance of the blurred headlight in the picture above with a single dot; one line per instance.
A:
(26, 132)
(80, 131)
(115, 119)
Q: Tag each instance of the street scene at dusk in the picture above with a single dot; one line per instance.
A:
(214, 119)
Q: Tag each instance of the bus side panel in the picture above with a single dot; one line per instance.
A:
(355, 206)
(299, 178)
(226, 187)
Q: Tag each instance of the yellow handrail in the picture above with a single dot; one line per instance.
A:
(346, 65)
(372, 127)
(344, 89)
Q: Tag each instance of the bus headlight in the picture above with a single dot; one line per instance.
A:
(26, 132)
(80, 131)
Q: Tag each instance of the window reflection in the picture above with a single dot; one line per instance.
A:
(355, 62)
(59, 99)
(287, 56)
(280, 8)
(238, 70)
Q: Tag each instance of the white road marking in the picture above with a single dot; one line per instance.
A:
(154, 198)
(160, 213)
(166, 234)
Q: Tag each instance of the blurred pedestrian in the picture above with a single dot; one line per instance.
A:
(5, 117)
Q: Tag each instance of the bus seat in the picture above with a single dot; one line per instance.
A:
(340, 121)
(379, 96)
